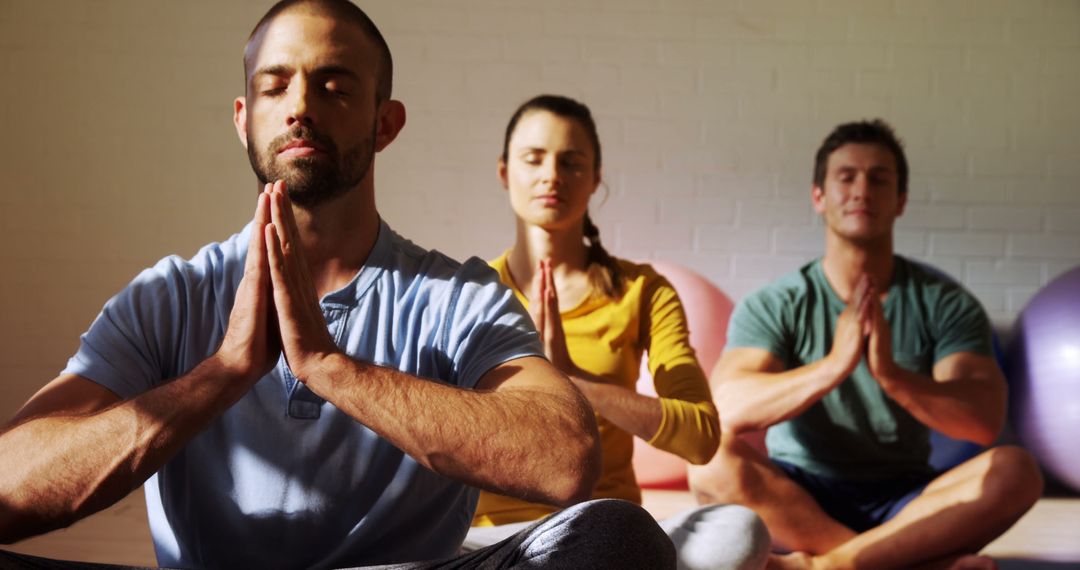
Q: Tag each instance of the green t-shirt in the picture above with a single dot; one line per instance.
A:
(856, 431)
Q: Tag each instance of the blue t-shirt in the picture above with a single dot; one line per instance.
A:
(284, 479)
(856, 431)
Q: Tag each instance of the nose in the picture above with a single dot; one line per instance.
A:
(860, 187)
(551, 172)
(299, 103)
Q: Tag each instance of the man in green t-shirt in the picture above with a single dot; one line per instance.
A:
(849, 362)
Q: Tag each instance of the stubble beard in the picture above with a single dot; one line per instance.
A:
(313, 181)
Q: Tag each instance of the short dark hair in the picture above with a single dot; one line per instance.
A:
(346, 11)
(876, 132)
(604, 271)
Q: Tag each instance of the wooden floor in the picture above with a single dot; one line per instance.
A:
(1050, 531)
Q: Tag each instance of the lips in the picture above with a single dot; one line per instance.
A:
(548, 198)
(301, 147)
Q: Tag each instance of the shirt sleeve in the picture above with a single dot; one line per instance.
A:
(487, 325)
(757, 322)
(690, 425)
(132, 345)
(962, 324)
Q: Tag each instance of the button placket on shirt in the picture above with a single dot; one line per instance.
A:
(304, 404)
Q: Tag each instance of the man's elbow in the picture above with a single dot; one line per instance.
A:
(8, 525)
(987, 432)
(18, 524)
(580, 471)
(983, 431)
(987, 428)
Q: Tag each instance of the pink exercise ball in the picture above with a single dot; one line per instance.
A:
(1043, 362)
(707, 312)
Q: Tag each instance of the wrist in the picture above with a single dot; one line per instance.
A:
(836, 370)
(234, 376)
(318, 371)
(888, 375)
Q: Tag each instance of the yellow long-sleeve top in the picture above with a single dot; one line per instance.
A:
(607, 337)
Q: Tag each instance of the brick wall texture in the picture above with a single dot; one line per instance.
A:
(118, 148)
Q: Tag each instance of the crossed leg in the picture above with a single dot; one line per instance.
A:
(953, 518)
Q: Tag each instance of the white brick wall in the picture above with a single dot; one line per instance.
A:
(118, 146)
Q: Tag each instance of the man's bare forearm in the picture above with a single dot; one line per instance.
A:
(968, 409)
(61, 467)
(498, 440)
(754, 400)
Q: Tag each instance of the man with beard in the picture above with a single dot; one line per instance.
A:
(316, 391)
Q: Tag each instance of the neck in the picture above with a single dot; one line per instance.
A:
(338, 236)
(845, 261)
(564, 247)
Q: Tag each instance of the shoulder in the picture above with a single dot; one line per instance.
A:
(411, 261)
(640, 276)
(945, 300)
(938, 288)
(790, 290)
(774, 310)
(645, 290)
(215, 268)
(500, 264)
(433, 273)
(951, 315)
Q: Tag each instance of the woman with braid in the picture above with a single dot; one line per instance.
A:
(597, 316)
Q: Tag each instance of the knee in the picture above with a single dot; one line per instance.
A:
(720, 536)
(744, 525)
(751, 527)
(619, 518)
(622, 530)
(1013, 476)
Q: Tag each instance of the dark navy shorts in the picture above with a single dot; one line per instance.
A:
(858, 505)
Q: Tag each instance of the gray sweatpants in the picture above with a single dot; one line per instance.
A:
(597, 534)
(714, 537)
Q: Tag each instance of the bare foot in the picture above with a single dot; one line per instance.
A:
(974, 562)
(791, 561)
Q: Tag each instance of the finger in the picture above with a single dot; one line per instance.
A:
(295, 265)
(862, 286)
(256, 247)
(866, 311)
(275, 255)
(292, 263)
(282, 311)
(537, 283)
(540, 300)
(285, 304)
(877, 316)
(288, 218)
(551, 299)
(277, 217)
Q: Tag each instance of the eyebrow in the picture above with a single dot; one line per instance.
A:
(285, 71)
(874, 169)
(541, 149)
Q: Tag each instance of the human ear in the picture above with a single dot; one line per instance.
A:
(240, 119)
(901, 204)
(501, 171)
(817, 198)
(391, 120)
